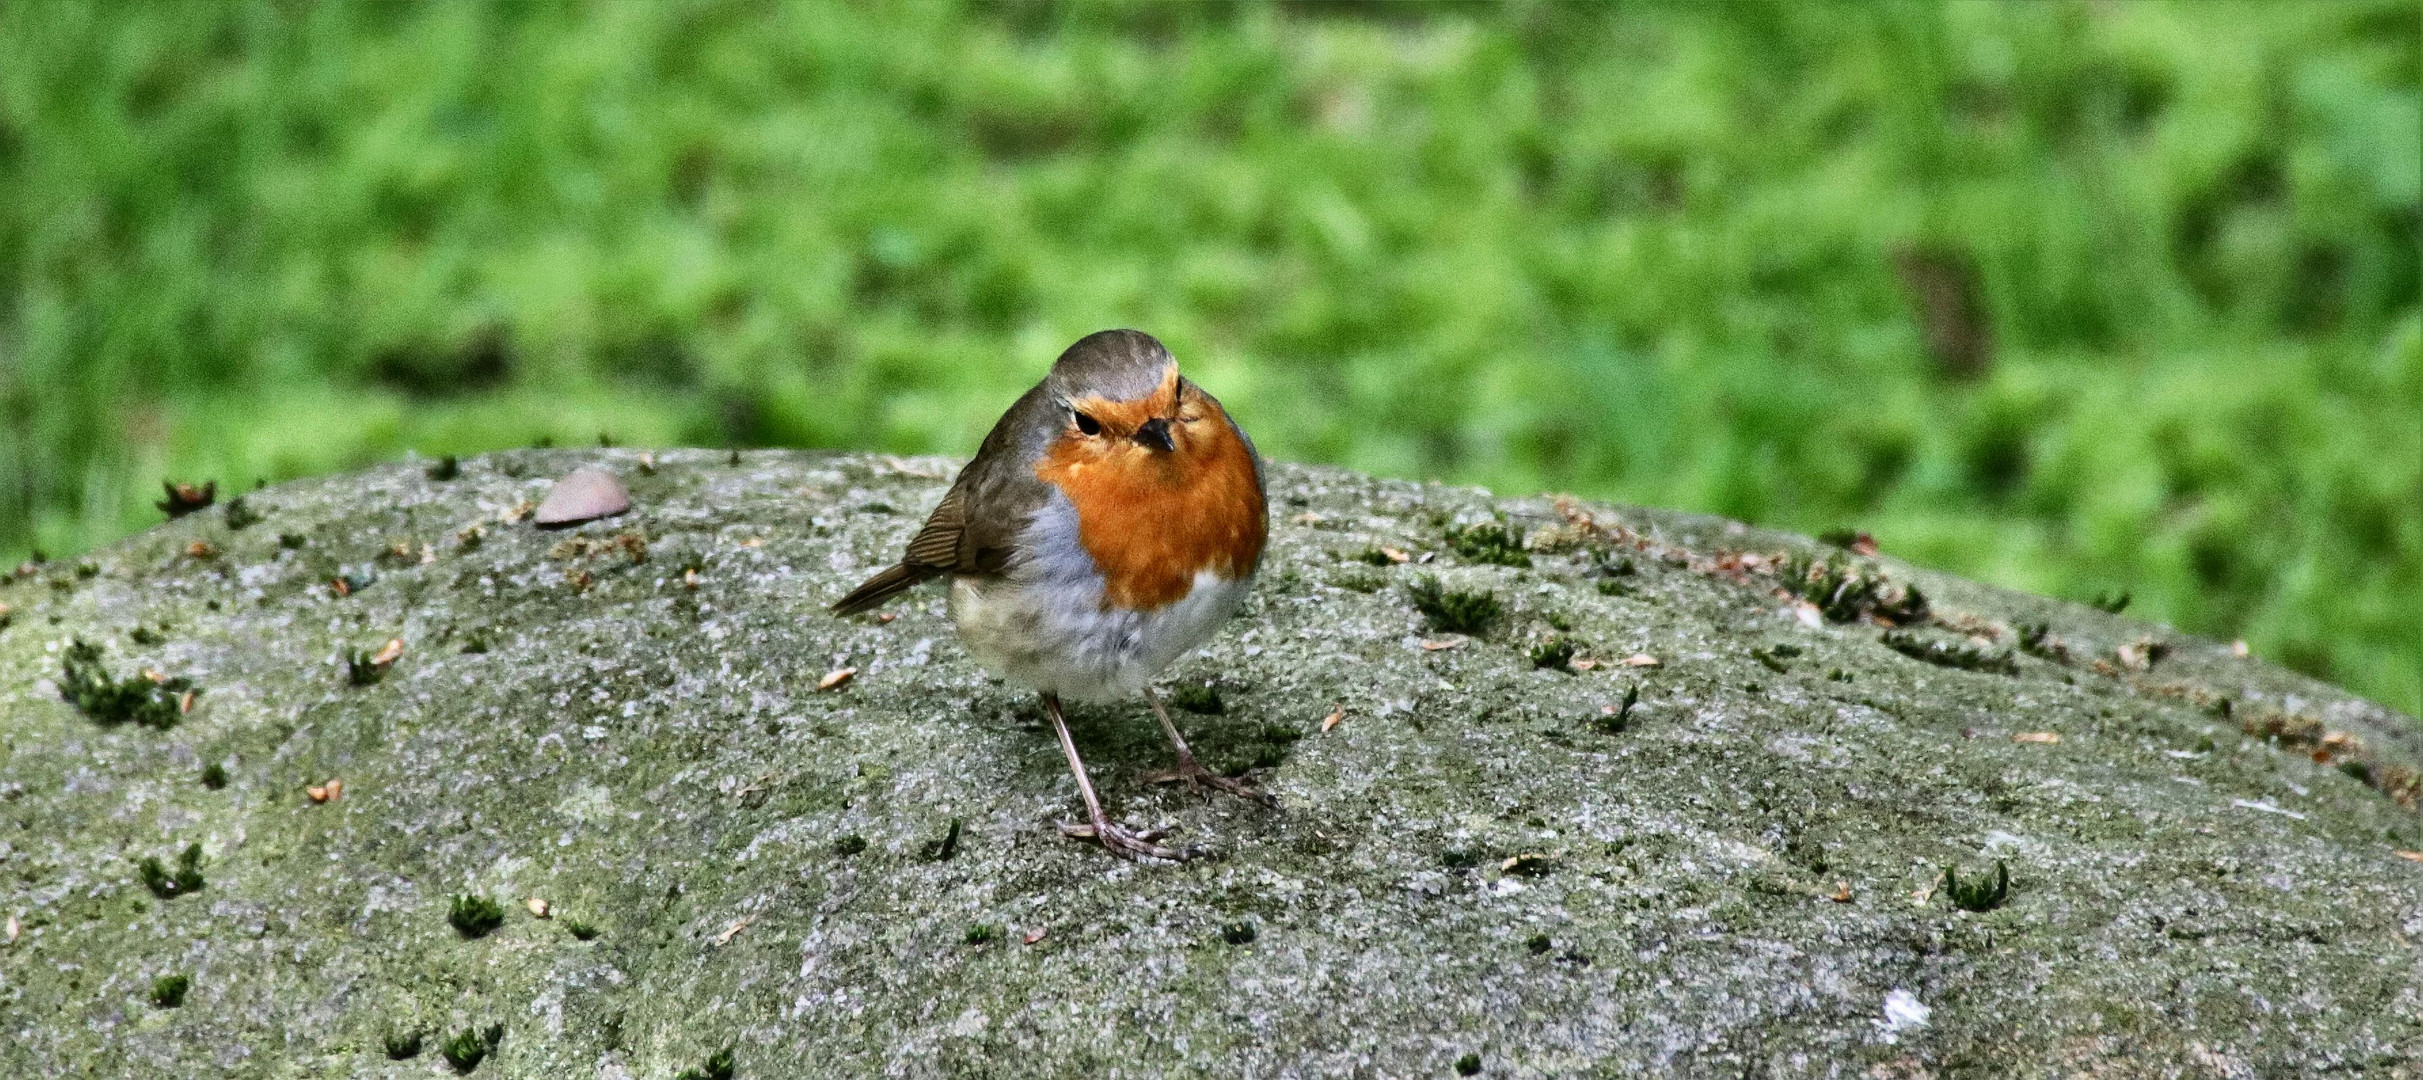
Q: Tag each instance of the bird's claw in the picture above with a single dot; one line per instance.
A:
(1126, 843)
(1199, 778)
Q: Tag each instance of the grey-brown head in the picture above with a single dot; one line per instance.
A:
(1114, 365)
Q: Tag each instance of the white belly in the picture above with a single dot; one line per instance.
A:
(1060, 640)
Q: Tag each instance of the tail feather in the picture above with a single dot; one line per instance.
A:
(882, 587)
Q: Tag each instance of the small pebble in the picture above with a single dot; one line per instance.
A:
(582, 495)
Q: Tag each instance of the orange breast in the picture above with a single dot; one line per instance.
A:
(1152, 520)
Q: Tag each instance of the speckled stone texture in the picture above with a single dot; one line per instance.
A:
(624, 720)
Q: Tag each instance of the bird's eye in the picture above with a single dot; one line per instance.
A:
(1087, 424)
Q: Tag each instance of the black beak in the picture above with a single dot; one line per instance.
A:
(1155, 434)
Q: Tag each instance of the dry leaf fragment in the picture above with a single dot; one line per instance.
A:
(1841, 893)
(1396, 555)
(2411, 856)
(155, 675)
(1529, 862)
(836, 677)
(185, 703)
(1309, 518)
(14, 928)
(538, 907)
(754, 542)
(1451, 642)
(328, 792)
(753, 794)
(515, 512)
(389, 653)
(1331, 720)
(1584, 664)
(341, 587)
(923, 469)
(738, 926)
(1032, 936)
(201, 549)
(1640, 660)
(2142, 654)
(2047, 738)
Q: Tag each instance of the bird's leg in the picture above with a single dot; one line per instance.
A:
(1189, 769)
(1122, 842)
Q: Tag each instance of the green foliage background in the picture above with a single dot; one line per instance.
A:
(1643, 251)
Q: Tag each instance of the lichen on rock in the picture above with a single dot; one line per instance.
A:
(1709, 837)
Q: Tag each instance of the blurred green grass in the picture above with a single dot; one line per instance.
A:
(2076, 297)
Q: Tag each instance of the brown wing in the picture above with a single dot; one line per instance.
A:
(937, 545)
(974, 530)
(933, 552)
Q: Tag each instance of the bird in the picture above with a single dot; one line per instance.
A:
(1109, 524)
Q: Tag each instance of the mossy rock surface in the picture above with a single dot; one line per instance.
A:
(1476, 859)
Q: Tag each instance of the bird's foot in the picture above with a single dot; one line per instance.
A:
(1196, 776)
(1130, 844)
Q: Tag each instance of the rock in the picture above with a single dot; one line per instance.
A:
(585, 494)
(1531, 870)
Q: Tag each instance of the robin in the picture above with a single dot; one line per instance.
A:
(1109, 524)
